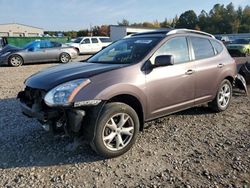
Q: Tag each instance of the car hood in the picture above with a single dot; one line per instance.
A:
(51, 77)
(9, 48)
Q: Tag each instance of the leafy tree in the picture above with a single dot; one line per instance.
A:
(101, 30)
(165, 24)
(203, 20)
(245, 21)
(187, 20)
(82, 33)
(124, 22)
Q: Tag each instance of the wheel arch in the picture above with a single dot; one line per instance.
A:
(230, 78)
(133, 102)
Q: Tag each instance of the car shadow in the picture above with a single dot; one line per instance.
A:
(23, 142)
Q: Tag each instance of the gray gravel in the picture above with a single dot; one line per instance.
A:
(193, 148)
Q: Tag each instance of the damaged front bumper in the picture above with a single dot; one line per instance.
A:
(78, 119)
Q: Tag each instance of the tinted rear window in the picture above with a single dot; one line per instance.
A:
(202, 48)
(217, 46)
(105, 40)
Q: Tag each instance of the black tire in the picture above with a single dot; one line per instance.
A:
(64, 57)
(15, 60)
(223, 98)
(115, 111)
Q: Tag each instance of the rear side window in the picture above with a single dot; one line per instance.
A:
(217, 46)
(105, 40)
(94, 40)
(177, 47)
(202, 48)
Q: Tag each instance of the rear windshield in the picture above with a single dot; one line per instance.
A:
(105, 40)
(126, 51)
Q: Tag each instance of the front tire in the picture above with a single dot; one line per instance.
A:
(64, 57)
(116, 130)
(15, 60)
(223, 97)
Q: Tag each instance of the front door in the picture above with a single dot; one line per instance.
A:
(86, 46)
(171, 88)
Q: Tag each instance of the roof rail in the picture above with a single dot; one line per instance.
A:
(189, 31)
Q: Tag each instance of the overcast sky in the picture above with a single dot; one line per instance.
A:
(67, 15)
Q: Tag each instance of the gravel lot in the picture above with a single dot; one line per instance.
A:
(193, 148)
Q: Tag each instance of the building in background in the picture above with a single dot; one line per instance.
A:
(118, 32)
(19, 30)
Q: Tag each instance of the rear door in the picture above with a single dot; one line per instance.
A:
(53, 50)
(171, 88)
(208, 67)
(96, 45)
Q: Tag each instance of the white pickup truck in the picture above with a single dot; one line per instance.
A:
(90, 45)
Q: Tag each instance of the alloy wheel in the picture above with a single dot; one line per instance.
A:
(65, 58)
(224, 95)
(15, 61)
(118, 131)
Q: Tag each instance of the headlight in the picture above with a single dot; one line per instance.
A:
(63, 94)
(5, 54)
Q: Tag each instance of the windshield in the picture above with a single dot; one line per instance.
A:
(126, 51)
(77, 40)
(241, 41)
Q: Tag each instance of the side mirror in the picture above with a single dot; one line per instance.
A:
(164, 60)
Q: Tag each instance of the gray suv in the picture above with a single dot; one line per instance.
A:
(107, 98)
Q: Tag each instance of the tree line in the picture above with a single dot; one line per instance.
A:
(220, 19)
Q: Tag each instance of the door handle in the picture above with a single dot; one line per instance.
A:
(189, 72)
(220, 65)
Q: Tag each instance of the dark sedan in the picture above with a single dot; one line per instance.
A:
(37, 51)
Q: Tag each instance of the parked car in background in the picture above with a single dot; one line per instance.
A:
(37, 51)
(225, 39)
(90, 45)
(239, 47)
(134, 80)
(1, 43)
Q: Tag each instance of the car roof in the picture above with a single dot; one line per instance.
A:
(166, 32)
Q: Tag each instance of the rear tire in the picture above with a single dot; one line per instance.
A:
(64, 57)
(15, 60)
(223, 97)
(116, 130)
